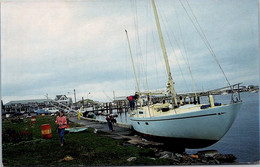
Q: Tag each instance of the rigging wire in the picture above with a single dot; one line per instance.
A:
(140, 58)
(147, 86)
(133, 5)
(185, 53)
(204, 39)
(175, 39)
(156, 47)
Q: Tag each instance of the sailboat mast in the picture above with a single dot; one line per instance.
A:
(132, 61)
(170, 82)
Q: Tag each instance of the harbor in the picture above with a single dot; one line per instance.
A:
(228, 146)
(82, 147)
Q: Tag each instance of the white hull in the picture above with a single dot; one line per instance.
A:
(206, 124)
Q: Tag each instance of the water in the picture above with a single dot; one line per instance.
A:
(122, 117)
(242, 139)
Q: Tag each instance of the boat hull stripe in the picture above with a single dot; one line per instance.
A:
(206, 115)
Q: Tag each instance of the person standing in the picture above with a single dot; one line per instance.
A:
(61, 121)
(131, 102)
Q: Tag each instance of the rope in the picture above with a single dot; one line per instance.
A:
(147, 86)
(142, 73)
(175, 39)
(205, 40)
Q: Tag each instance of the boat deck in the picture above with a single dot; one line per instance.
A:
(156, 110)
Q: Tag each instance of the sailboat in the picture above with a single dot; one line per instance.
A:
(175, 120)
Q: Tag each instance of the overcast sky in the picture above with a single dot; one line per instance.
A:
(55, 47)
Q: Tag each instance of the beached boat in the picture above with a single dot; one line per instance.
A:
(174, 119)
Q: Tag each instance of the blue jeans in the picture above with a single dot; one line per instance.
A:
(110, 126)
(61, 134)
(132, 104)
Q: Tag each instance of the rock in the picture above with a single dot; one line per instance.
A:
(225, 157)
(166, 156)
(217, 162)
(175, 159)
(208, 153)
(67, 158)
(131, 159)
(178, 155)
(203, 161)
(162, 153)
(152, 159)
(144, 140)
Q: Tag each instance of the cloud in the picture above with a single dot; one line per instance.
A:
(55, 47)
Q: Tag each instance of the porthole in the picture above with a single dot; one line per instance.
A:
(146, 123)
(138, 123)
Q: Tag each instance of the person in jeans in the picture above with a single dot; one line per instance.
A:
(61, 121)
(131, 102)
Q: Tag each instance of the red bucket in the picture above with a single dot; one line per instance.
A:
(46, 131)
(33, 119)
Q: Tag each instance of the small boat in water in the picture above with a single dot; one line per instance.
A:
(186, 122)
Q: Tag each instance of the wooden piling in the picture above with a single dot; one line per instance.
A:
(106, 108)
(110, 108)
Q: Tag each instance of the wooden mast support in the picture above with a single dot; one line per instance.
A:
(170, 82)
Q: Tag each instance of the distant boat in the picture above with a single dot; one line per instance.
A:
(173, 119)
(224, 93)
(255, 91)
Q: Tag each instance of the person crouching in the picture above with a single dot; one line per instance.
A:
(110, 121)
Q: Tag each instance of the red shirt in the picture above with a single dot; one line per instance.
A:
(130, 97)
(62, 121)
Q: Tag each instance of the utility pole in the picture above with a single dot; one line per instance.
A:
(114, 95)
(75, 95)
(88, 98)
(83, 101)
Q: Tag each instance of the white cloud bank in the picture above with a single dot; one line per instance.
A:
(56, 47)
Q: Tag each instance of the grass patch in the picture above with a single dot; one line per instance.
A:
(85, 148)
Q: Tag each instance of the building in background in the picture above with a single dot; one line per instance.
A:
(26, 105)
(63, 99)
(22, 106)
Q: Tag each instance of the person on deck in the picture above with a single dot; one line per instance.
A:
(131, 100)
(61, 121)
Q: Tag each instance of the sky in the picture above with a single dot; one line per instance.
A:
(56, 47)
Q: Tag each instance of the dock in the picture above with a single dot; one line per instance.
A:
(100, 125)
